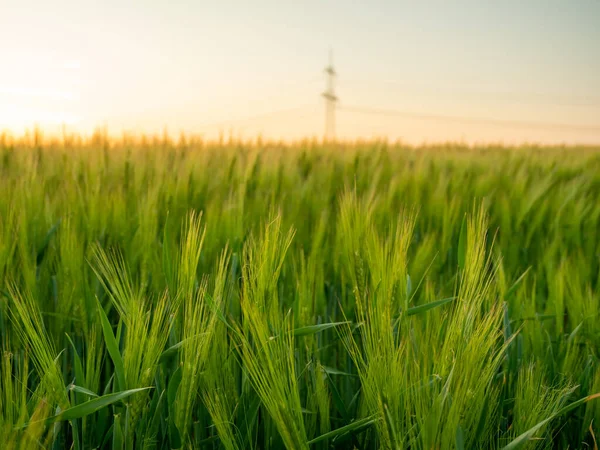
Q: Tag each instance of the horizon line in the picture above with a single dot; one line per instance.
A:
(38, 136)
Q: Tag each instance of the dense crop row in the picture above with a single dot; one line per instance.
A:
(260, 296)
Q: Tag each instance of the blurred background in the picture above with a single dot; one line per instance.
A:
(470, 71)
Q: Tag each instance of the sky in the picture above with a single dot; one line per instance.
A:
(420, 71)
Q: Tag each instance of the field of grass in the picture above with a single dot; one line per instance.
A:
(308, 296)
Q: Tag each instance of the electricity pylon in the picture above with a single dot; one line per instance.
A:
(330, 100)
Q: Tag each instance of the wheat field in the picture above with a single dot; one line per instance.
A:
(237, 295)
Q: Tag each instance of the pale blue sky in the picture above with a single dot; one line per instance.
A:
(194, 66)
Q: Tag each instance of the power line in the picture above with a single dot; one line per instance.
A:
(479, 120)
(253, 118)
(529, 98)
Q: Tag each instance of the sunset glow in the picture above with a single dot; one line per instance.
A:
(199, 68)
